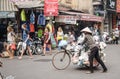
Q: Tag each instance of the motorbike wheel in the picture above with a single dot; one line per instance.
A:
(38, 50)
(19, 50)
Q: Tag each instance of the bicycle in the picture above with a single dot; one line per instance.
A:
(61, 60)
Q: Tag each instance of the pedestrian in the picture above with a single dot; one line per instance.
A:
(71, 37)
(94, 50)
(26, 39)
(60, 35)
(96, 30)
(10, 42)
(116, 34)
(47, 41)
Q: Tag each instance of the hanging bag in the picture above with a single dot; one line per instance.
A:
(53, 42)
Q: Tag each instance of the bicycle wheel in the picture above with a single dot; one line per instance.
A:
(61, 60)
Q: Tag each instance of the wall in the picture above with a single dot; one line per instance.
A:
(80, 5)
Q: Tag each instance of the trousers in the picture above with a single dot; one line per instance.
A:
(95, 54)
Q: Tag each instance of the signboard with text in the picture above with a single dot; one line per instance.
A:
(51, 8)
(67, 19)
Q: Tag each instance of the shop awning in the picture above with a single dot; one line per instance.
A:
(28, 3)
(85, 17)
(7, 5)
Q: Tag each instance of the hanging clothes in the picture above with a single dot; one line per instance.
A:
(23, 16)
(51, 27)
(32, 27)
(32, 18)
(41, 19)
(40, 33)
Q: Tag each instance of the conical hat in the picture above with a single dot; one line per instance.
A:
(86, 30)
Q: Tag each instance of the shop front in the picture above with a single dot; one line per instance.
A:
(113, 12)
(76, 21)
(30, 12)
(7, 17)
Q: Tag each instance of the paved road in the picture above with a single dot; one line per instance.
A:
(41, 68)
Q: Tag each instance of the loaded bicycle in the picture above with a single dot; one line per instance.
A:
(77, 54)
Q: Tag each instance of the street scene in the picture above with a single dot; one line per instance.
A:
(40, 67)
(54, 39)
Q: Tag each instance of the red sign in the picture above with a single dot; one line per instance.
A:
(118, 6)
(51, 7)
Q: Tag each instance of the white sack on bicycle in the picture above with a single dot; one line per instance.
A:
(62, 43)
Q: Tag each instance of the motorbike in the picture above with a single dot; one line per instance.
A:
(35, 46)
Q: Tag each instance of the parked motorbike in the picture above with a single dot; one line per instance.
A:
(35, 46)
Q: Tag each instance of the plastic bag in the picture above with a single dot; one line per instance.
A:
(62, 43)
(53, 41)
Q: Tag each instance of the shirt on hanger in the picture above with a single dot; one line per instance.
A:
(23, 17)
(32, 18)
(32, 27)
(41, 19)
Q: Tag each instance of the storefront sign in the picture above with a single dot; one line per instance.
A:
(87, 17)
(84, 17)
(67, 19)
(7, 14)
(118, 6)
(51, 7)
